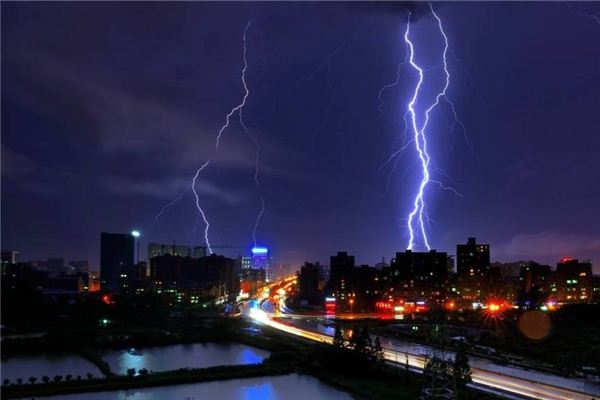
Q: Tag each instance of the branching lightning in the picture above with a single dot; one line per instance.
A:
(238, 109)
(418, 215)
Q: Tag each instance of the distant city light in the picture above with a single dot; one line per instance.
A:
(135, 234)
(259, 250)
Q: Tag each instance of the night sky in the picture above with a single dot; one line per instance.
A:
(109, 108)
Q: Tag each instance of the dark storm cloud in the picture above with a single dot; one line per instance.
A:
(41, 189)
(15, 165)
(124, 122)
(394, 8)
(168, 189)
(108, 109)
(548, 246)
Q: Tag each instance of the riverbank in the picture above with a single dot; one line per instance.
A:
(176, 377)
(288, 355)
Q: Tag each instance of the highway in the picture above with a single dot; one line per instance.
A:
(485, 374)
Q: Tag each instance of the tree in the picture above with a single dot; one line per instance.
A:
(68, 377)
(338, 337)
(89, 376)
(359, 339)
(131, 372)
(58, 378)
(366, 339)
(20, 381)
(6, 382)
(143, 372)
(437, 380)
(461, 368)
(46, 378)
(378, 353)
(32, 379)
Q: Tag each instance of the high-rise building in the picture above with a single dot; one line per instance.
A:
(222, 274)
(174, 271)
(341, 272)
(260, 260)
(573, 281)
(477, 279)
(309, 279)
(420, 275)
(249, 273)
(116, 253)
(473, 257)
(535, 276)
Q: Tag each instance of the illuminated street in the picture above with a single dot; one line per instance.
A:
(485, 374)
(295, 200)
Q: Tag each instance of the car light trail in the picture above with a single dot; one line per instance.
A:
(482, 378)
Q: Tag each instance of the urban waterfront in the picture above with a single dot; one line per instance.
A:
(295, 200)
(165, 358)
(292, 387)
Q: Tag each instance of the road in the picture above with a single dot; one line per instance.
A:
(485, 374)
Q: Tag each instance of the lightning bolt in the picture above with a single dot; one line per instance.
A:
(593, 17)
(416, 218)
(238, 109)
(257, 182)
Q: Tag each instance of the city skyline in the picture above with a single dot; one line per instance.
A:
(101, 131)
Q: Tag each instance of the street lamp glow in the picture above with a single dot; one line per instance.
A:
(135, 234)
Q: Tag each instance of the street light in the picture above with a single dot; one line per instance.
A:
(136, 234)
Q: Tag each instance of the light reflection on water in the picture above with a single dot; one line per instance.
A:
(288, 387)
(183, 356)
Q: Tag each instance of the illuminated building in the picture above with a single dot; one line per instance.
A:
(341, 271)
(472, 258)
(419, 275)
(476, 278)
(250, 274)
(174, 271)
(116, 253)
(260, 260)
(216, 276)
(534, 275)
(572, 281)
(368, 287)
